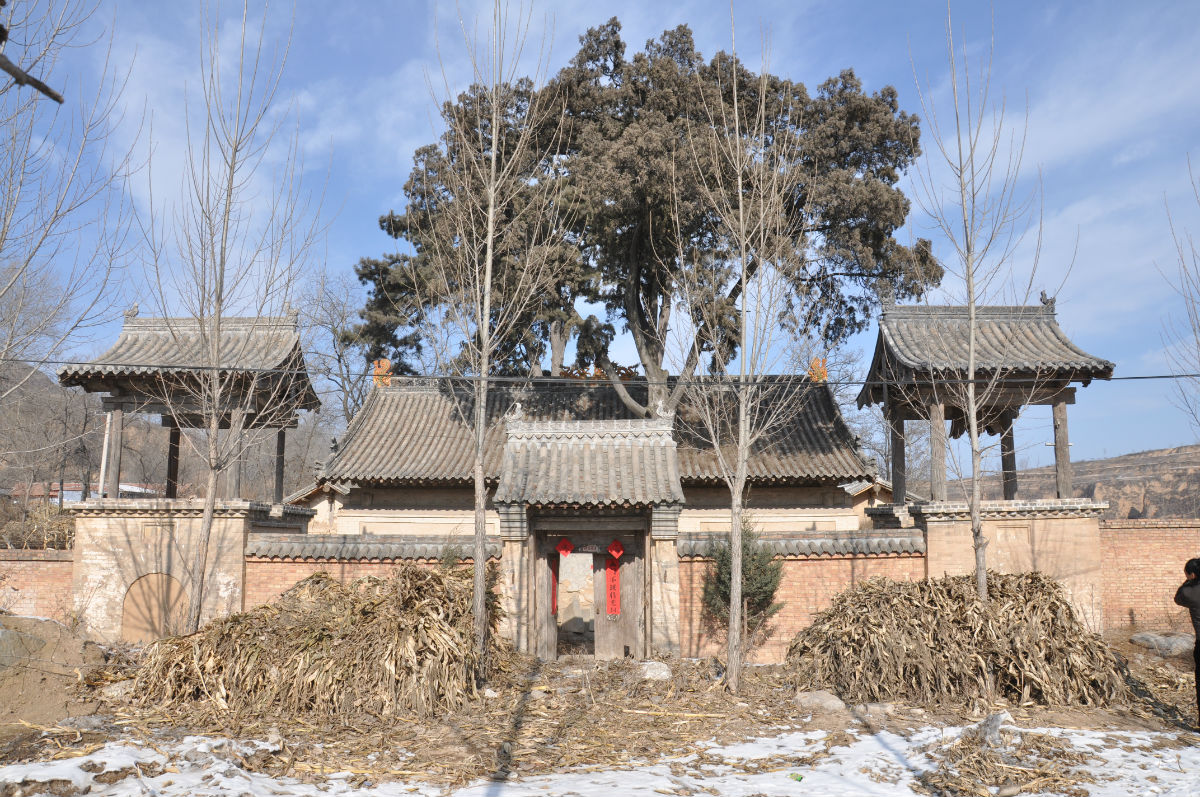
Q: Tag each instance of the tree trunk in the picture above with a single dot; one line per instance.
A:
(483, 329)
(558, 347)
(977, 539)
(734, 674)
(479, 592)
(200, 562)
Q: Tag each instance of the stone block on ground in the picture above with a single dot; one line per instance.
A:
(873, 712)
(819, 702)
(17, 646)
(655, 671)
(1165, 644)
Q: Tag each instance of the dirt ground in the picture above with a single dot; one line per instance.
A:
(533, 718)
(42, 665)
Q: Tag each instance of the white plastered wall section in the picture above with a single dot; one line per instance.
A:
(431, 511)
(776, 510)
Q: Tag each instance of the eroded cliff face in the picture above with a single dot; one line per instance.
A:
(1164, 483)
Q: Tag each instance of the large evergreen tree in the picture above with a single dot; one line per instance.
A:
(639, 216)
(641, 182)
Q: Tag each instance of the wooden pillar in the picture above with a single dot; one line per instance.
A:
(1062, 452)
(899, 475)
(937, 451)
(173, 463)
(280, 442)
(1008, 457)
(112, 474)
(235, 475)
(232, 490)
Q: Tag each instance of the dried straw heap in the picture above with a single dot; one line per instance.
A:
(374, 647)
(934, 642)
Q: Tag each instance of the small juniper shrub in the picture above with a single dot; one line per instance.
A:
(761, 574)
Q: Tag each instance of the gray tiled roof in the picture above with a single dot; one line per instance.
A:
(596, 463)
(859, 486)
(916, 342)
(413, 432)
(800, 544)
(148, 346)
(360, 546)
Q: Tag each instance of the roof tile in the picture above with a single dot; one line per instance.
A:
(417, 431)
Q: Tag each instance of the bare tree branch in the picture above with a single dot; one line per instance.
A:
(226, 266)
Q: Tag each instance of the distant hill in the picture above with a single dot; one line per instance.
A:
(1164, 483)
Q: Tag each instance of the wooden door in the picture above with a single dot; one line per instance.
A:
(624, 633)
(545, 618)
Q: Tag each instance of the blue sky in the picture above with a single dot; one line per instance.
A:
(1112, 90)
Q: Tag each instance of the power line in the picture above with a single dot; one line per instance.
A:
(565, 380)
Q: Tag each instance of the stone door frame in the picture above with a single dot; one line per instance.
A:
(546, 530)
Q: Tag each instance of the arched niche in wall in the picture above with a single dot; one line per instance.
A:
(155, 606)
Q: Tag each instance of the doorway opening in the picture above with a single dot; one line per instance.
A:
(591, 596)
(575, 604)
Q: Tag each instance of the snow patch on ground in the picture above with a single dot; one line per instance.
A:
(866, 765)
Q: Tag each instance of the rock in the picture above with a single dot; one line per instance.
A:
(655, 671)
(490, 693)
(88, 722)
(93, 654)
(17, 646)
(1168, 644)
(538, 694)
(989, 729)
(873, 712)
(118, 692)
(819, 702)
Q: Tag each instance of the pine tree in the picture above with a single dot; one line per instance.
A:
(761, 574)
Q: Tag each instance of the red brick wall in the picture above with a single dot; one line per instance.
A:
(1142, 566)
(267, 579)
(36, 583)
(807, 587)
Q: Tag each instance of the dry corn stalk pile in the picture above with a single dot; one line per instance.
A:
(933, 641)
(541, 717)
(1014, 762)
(373, 647)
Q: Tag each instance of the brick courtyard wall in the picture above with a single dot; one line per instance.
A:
(36, 583)
(1142, 568)
(807, 587)
(268, 578)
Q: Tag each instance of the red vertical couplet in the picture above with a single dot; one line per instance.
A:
(612, 585)
(612, 577)
(564, 548)
(554, 584)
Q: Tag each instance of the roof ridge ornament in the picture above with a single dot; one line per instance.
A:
(887, 295)
(132, 312)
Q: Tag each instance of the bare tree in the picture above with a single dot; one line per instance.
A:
(739, 302)
(1183, 334)
(484, 215)
(225, 268)
(983, 217)
(64, 214)
(19, 75)
(329, 310)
